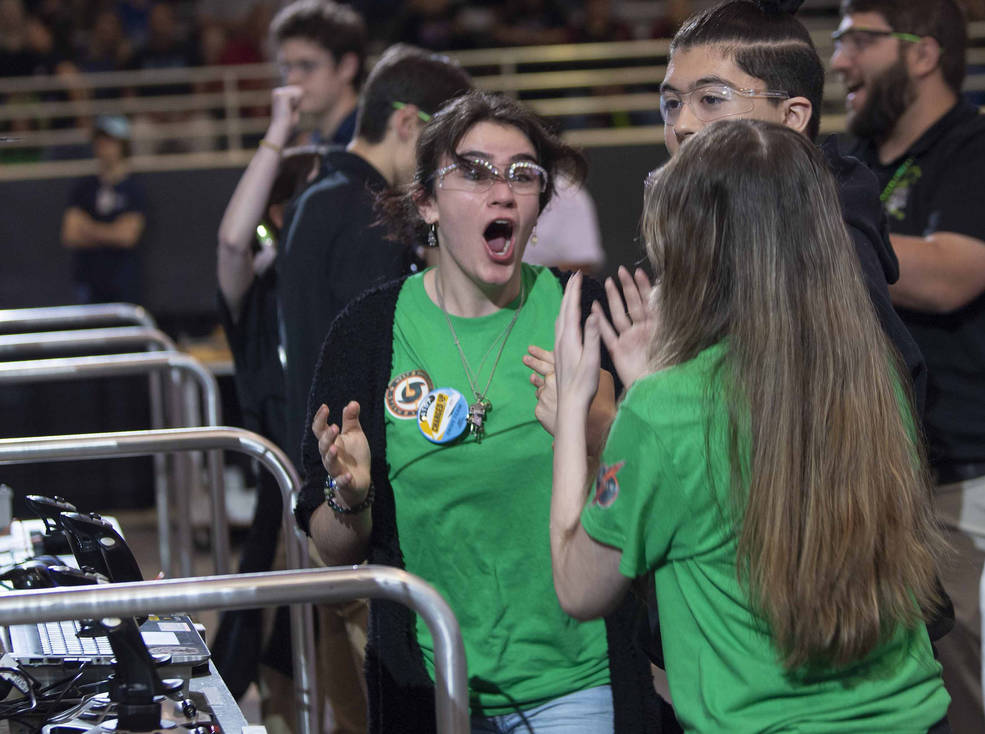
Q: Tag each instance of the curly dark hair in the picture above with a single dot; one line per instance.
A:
(443, 134)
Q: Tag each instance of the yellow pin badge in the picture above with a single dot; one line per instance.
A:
(442, 415)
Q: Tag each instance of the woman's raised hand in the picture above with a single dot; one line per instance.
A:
(344, 452)
(576, 360)
(630, 333)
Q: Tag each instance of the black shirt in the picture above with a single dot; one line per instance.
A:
(938, 188)
(254, 343)
(858, 193)
(334, 250)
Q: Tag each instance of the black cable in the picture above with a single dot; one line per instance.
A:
(20, 712)
(68, 687)
(38, 701)
(69, 680)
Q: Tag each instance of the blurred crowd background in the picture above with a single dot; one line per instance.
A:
(59, 36)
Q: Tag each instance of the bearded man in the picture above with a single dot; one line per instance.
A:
(902, 63)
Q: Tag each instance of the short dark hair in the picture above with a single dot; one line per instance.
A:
(409, 75)
(338, 29)
(942, 20)
(443, 134)
(766, 43)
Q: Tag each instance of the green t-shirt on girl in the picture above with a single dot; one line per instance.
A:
(473, 517)
(652, 501)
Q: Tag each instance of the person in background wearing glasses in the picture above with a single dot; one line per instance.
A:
(425, 453)
(743, 59)
(334, 247)
(321, 57)
(320, 49)
(903, 63)
(245, 648)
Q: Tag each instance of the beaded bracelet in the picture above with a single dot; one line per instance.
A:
(330, 498)
(264, 143)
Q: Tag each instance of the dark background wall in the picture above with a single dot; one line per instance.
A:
(178, 251)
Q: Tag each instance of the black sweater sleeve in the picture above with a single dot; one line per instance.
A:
(354, 364)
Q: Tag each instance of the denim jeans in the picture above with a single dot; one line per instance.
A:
(583, 712)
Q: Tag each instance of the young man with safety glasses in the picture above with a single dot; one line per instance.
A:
(743, 59)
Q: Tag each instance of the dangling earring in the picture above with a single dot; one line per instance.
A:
(433, 235)
(533, 236)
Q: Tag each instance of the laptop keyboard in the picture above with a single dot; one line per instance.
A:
(60, 638)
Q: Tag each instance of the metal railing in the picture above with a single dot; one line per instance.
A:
(51, 317)
(115, 365)
(84, 317)
(103, 339)
(143, 443)
(327, 585)
(112, 337)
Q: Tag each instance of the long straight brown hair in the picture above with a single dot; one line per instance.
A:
(837, 542)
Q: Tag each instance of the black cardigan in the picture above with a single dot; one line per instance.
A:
(355, 364)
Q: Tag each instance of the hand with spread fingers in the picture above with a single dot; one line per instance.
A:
(577, 361)
(344, 452)
(630, 333)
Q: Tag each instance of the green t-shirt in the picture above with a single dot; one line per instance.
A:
(473, 517)
(652, 500)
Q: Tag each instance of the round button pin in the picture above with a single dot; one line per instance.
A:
(443, 415)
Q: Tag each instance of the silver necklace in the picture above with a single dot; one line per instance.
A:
(481, 404)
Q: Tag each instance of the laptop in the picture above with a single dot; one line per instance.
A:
(52, 650)
(56, 646)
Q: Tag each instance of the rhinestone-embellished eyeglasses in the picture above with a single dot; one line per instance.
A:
(478, 175)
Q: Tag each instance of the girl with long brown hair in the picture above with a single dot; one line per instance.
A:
(767, 471)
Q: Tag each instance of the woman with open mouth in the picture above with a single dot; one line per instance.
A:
(436, 462)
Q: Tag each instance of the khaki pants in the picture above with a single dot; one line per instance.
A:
(341, 683)
(961, 508)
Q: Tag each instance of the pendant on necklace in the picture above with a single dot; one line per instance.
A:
(477, 417)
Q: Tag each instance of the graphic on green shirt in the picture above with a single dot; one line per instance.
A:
(473, 518)
(668, 519)
(404, 393)
(897, 192)
(606, 484)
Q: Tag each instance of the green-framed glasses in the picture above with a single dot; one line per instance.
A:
(420, 113)
(854, 40)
